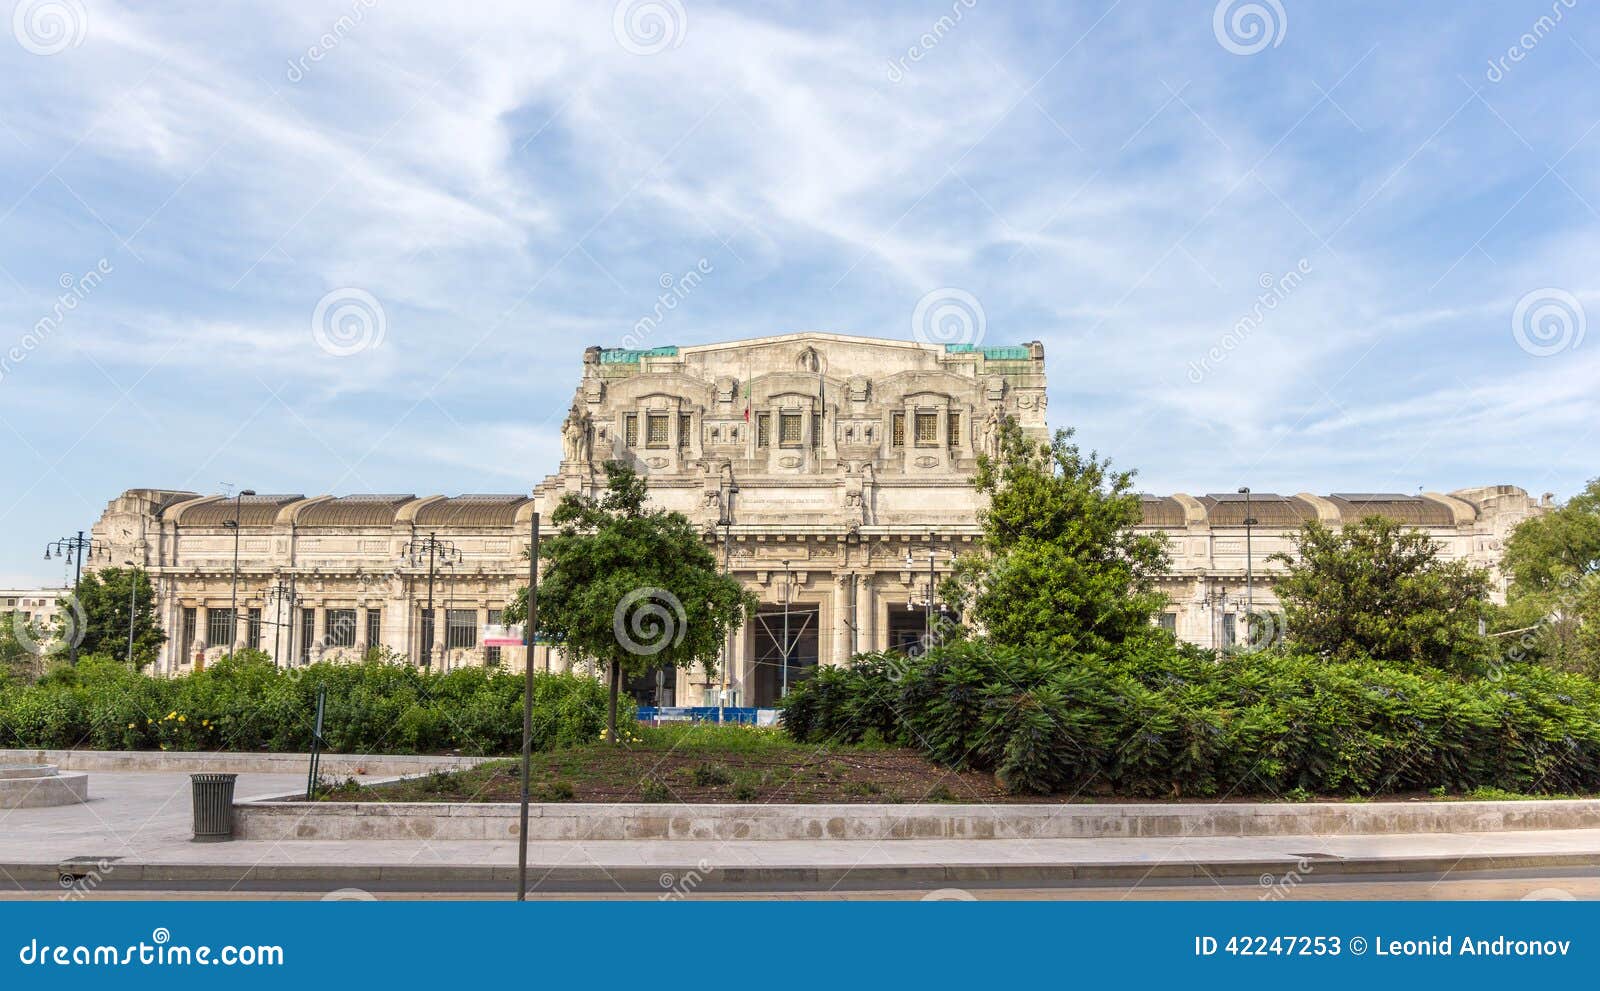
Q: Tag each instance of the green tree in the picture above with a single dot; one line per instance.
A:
(1552, 610)
(1062, 565)
(1378, 589)
(631, 587)
(104, 597)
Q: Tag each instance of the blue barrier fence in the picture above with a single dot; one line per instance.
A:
(702, 714)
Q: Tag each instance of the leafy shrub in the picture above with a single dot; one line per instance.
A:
(246, 703)
(1162, 720)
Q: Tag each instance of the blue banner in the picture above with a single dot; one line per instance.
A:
(955, 943)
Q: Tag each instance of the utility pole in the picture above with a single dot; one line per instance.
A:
(233, 597)
(435, 551)
(76, 547)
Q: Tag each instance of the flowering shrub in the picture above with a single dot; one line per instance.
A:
(245, 703)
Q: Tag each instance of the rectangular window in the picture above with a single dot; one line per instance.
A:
(1169, 622)
(954, 429)
(763, 429)
(899, 431)
(1228, 633)
(816, 429)
(186, 640)
(427, 635)
(656, 431)
(789, 430)
(685, 427)
(308, 633)
(252, 630)
(341, 628)
(630, 429)
(491, 655)
(461, 629)
(374, 628)
(927, 429)
(217, 627)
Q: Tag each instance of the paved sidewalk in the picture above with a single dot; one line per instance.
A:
(140, 824)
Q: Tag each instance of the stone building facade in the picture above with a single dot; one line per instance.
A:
(828, 473)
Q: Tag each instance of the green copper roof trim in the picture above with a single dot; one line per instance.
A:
(631, 356)
(1001, 353)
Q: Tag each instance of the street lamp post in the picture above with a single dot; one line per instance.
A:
(435, 551)
(233, 595)
(283, 592)
(76, 547)
(1249, 574)
(726, 522)
(927, 607)
(788, 594)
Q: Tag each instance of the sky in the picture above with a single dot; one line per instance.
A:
(359, 246)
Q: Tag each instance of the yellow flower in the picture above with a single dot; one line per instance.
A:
(130, 726)
(172, 714)
(180, 719)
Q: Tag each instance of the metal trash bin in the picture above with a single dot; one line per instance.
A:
(213, 806)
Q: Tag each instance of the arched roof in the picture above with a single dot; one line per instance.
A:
(1401, 508)
(353, 510)
(1270, 509)
(472, 510)
(1266, 508)
(256, 510)
(1160, 511)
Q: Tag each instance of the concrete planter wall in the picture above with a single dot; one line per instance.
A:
(573, 821)
(336, 766)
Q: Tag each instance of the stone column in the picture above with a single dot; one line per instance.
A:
(866, 613)
(483, 652)
(202, 634)
(842, 620)
(739, 667)
(319, 630)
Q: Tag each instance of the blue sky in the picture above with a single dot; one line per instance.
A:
(314, 255)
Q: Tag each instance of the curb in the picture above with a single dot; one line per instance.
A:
(663, 876)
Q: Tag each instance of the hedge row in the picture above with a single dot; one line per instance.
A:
(248, 704)
(1169, 721)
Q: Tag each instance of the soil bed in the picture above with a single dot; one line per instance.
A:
(710, 764)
